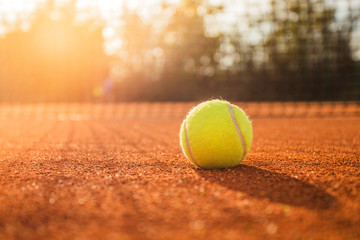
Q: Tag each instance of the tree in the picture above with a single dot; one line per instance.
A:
(190, 67)
(135, 60)
(169, 58)
(308, 58)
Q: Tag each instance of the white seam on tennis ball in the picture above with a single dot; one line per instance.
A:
(188, 146)
(238, 131)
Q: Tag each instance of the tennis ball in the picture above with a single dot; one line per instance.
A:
(216, 134)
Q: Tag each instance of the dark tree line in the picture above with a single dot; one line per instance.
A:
(304, 54)
(308, 60)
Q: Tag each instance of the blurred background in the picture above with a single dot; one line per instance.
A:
(179, 50)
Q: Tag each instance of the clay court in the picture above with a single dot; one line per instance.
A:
(116, 171)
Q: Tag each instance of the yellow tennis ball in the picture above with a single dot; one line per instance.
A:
(216, 134)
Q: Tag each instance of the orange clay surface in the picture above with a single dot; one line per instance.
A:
(116, 171)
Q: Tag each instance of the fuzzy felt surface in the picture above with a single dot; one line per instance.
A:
(213, 135)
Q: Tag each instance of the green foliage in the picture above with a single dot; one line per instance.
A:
(186, 60)
(188, 52)
(308, 60)
(303, 54)
(303, 57)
